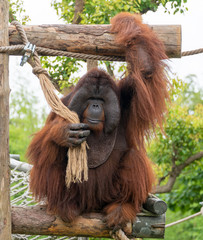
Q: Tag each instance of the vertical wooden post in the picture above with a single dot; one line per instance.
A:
(5, 213)
(91, 64)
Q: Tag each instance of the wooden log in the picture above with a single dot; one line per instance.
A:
(155, 205)
(15, 156)
(91, 39)
(20, 166)
(5, 214)
(35, 221)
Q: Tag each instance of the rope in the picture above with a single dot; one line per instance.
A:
(185, 219)
(21, 31)
(192, 52)
(52, 52)
(77, 169)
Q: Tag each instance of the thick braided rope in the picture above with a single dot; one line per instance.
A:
(192, 52)
(51, 52)
(77, 168)
(21, 31)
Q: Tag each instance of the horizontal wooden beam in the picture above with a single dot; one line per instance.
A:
(91, 39)
(35, 221)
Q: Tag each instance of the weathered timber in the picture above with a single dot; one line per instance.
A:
(91, 64)
(155, 205)
(91, 39)
(5, 214)
(15, 156)
(20, 166)
(35, 221)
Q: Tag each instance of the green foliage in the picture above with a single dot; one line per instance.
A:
(188, 192)
(101, 11)
(25, 119)
(182, 139)
(95, 11)
(191, 95)
(189, 230)
(183, 133)
(17, 12)
(61, 69)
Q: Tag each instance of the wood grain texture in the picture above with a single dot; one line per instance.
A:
(35, 221)
(5, 218)
(91, 39)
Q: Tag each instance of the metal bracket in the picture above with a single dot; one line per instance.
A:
(28, 51)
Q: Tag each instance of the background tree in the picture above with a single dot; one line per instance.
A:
(177, 155)
(178, 151)
(25, 119)
(17, 11)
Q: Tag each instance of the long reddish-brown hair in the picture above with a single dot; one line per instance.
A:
(121, 184)
(145, 54)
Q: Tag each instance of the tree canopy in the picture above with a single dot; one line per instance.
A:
(178, 150)
(101, 11)
(25, 119)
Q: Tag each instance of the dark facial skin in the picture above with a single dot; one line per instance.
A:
(94, 115)
(92, 120)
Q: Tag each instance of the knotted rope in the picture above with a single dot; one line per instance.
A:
(77, 168)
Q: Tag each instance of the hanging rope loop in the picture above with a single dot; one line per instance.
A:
(21, 31)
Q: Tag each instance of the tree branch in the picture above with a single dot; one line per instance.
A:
(79, 5)
(109, 69)
(167, 187)
(161, 179)
(91, 64)
(176, 170)
(190, 160)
